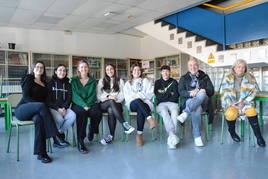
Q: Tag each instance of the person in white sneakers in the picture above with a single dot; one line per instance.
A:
(166, 92)
(138, 93)
(110, 94)
(195, 87)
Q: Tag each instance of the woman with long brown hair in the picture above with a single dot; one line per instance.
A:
(138, 93)
(110, 94)
(33, 107)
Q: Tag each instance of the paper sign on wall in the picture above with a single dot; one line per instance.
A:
(211, 58)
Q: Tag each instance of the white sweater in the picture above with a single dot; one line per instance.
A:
(102, 95)
(141, 88)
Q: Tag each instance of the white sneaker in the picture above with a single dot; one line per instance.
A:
(172, 141)
(106, 140)
(198, 142)
(128, 128)
(182, 117)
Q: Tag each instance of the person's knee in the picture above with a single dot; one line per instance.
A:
(250, 112)
(231, 113)
(201, 95)
(110, 111)
(37, 119)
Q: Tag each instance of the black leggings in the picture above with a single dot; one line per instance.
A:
(81, 120)
(143, 111)
(115, 111)
(45, 126)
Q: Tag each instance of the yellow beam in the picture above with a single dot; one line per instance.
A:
(229, 7)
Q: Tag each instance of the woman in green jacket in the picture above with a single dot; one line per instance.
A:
(84, 105)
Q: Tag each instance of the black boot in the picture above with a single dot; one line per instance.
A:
(231, 129)
(256, 129)
(59, 143)
(81, 147)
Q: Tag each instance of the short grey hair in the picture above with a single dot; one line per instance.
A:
(194, 59)
(237, 62)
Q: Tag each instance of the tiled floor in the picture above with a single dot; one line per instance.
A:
(127, 161)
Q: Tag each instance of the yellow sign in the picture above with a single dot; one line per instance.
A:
(211, 58)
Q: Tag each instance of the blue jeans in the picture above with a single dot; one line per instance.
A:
(143, 111)
(194, 108)
(45, 126)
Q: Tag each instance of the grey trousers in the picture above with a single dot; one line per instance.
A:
(63, 123)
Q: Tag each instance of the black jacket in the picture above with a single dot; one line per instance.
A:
(31, 91)
(166, 91)
(60, 93)
(204, 83)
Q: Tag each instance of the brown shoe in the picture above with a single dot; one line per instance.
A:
(139, 139)
(152, 122)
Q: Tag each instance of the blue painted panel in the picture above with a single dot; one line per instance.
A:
(200, 21)
(172, 19)
(248, 24)
(203, 22)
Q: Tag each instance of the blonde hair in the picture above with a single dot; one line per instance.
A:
(237, 62)
(79, 63)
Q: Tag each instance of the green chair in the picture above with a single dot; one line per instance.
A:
(128, 114)
(13, 100)
(242, 128)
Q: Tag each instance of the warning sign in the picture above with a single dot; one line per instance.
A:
(211, 58)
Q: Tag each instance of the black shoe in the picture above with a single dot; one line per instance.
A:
(235, 137)
(82, 148)
(261, 142)
(61, 136)
(44, 158)
(59, 143)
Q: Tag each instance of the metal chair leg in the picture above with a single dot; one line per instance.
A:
(9, 139)
(18, 143)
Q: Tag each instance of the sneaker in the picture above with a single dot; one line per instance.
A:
(128, 128)
(198, 142)
(106, 140)
(182, 117)
(172, 141)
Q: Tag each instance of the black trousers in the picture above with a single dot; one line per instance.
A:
(81, 120)
(45, 126)
(143, 111)
(115, 111)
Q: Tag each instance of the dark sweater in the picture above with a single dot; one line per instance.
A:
(31, 91)
(203, 81)
(166, 91)
(60, 93)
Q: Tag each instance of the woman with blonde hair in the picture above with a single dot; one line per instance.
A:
(85, 105)
(238, 91)
(138, 93)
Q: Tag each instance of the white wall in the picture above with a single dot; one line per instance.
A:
(116, 45)
(151, 47)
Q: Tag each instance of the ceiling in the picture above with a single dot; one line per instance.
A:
(88, 15)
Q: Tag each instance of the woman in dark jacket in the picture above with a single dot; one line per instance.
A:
(33, 107)
(59, 100)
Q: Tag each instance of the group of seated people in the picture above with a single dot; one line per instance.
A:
(56, 105)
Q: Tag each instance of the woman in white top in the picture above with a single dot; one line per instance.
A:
(110, 95)
(138, 93)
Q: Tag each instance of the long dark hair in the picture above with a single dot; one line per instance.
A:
(55, 69)
(106, 81)
(43, 77)
(131, 70)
